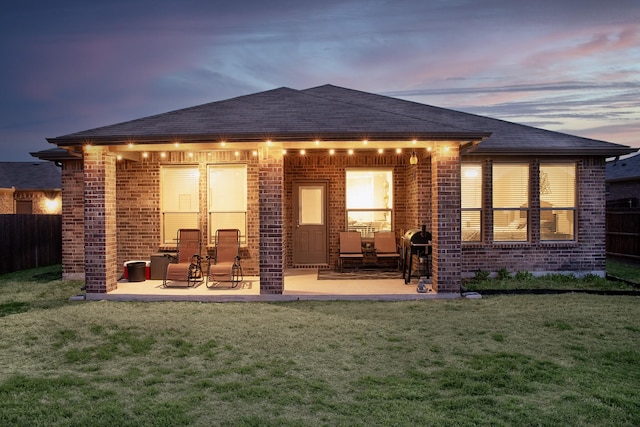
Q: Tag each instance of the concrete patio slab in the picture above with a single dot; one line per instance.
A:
(299, 284)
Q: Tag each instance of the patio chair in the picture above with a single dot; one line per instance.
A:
(225, 266)
(350, 247)
(185, 269)
(384, 245)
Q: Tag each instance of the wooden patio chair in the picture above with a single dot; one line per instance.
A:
(385, 247)
(350, 247)
(225, 266)
(185, 269)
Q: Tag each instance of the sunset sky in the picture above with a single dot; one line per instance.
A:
(565, 65)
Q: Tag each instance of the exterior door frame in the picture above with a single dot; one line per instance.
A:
(296, 226)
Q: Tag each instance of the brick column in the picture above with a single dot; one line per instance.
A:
(100, 245)
(447, 248)
(73, 223)
(270, 199)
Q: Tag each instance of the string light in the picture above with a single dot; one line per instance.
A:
(350, 151)
(332, 152)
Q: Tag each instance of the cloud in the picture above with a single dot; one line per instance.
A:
(71, 65)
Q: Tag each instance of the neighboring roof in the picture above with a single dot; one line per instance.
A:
(30, 176)
(333, 113)
(624, 169)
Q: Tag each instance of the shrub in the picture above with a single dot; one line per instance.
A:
(523, 276)
(503, 274)
(481, 276)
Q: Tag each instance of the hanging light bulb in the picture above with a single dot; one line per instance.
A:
(414, 159)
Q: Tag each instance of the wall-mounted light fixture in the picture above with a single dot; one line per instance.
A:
(413, 159)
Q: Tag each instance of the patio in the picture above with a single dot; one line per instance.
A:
(299, 284)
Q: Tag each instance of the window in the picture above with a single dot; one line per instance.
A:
(227, 199)
(179, 200)
(557, 201)
(24, 207)
(510, 202)
(471, 198)
(369, 200)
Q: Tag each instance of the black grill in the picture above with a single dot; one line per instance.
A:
(416, 243)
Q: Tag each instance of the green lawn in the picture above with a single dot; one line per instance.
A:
(567, 359)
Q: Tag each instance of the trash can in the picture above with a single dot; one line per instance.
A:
(136, 271)
(125, 272)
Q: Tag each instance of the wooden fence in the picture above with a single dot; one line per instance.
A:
(29, 241)
(623, 233)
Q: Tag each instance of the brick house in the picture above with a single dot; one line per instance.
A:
(30, 188)
(292, 168)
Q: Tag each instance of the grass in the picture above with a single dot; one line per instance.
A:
(624, 269)
(506, 360)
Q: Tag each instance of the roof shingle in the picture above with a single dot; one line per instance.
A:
(30, 175)
(332, 112)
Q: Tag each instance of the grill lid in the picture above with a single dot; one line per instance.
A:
(417, 236)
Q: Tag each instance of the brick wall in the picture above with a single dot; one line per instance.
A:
(272, 237)
(139, 213)
(6, 201)
(136, 205)
(100, 244)
(586, 254)
(39, 201)
(447, 257)
(320, 166)
(72, 220)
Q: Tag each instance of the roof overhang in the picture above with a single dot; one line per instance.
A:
(56, 154)
(550, 151)
(285, 137)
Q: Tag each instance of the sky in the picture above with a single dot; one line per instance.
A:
(571, 66)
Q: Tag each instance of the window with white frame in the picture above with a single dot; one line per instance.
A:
(179, 200)
(227, 199)
(369, 200)
(510, 189)
(471, 202)
(557, 201)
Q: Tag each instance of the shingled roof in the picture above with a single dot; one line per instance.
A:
(624, 169)
(334, 113)
(30, 176)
